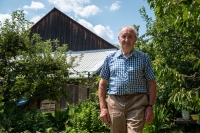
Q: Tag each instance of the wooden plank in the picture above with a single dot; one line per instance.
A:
(47, 105)
(183, 121)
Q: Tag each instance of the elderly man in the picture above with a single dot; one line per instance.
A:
(132, 87)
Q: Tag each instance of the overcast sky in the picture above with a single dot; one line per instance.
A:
(103, 17)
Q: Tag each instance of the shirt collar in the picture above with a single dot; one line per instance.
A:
(133, 53)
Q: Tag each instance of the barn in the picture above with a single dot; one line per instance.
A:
(80, 40)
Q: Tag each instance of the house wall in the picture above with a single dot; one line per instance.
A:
(83, 92)
(76, 93)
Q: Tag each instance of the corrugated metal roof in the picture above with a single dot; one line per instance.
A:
(91, 62)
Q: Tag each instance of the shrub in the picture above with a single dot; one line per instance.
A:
(86, 118)
(16, 120)
(59, 119)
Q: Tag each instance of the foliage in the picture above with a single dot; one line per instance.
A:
(184, 14)
(172, 42)
(198, 121)
(59, 119)
(28, 66)
(175, 36)
(85, 118)
(185, 100)
(17, 120)
(12, 42)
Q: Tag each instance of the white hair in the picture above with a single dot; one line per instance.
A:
(134, 30)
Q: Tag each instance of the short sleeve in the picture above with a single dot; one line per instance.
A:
(149, 73)
(105, 71)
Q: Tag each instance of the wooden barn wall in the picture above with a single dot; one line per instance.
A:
(56, 25)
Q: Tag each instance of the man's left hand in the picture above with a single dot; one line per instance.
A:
(149, 115)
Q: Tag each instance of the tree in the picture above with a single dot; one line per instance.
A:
(28, 66)
(173, 43)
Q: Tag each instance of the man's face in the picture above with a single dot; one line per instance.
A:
(127, 38)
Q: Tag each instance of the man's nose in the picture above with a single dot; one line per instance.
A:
(125, 38)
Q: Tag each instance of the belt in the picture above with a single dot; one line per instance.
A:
(136, 93)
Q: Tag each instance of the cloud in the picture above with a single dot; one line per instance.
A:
(115, 6)
(3, 17)
(90, 10)
(104, 32)
(25, 12)
(86, 24)
(34, 5)
(76, 6)
(35, 19)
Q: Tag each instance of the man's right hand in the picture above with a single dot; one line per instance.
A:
(105, 116)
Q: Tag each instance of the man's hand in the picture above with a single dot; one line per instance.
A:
(105, 116)
(149, 115)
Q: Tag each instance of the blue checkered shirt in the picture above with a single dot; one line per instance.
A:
(127, 75)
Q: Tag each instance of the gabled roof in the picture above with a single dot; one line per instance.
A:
(57, 25)
(91, 62)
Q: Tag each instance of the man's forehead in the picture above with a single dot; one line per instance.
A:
(127, 30)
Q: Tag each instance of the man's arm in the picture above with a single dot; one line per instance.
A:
(152, 91)
(104, 114)
(149, 115)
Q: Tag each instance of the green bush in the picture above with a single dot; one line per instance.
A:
(86, 118)
(16, 120)
(59, 119)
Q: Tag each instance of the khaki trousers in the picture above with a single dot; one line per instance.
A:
(127, 112)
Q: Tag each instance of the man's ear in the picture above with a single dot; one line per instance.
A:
(136, 40)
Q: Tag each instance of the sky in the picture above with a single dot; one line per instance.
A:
(103, 17)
